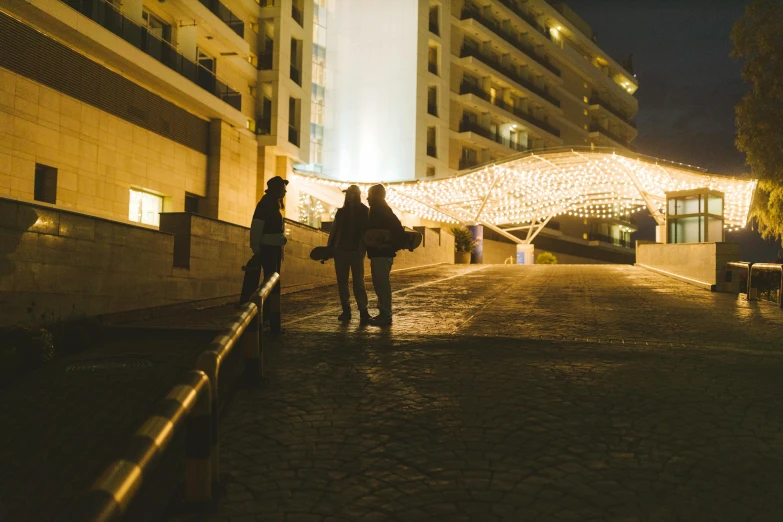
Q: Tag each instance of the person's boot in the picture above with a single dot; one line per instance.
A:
(345, 316)
(364, 317)
(380, 320)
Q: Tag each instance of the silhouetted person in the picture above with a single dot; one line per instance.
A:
(267, 240)
(345, 239)
(382, 258)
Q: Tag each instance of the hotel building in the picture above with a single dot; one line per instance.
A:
(126, 108)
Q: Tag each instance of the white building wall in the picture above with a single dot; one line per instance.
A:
(372, 50)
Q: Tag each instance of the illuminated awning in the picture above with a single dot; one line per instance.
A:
(532, 188)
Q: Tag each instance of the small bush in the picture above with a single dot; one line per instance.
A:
(463, 239)
(546, 258)
(27, 346)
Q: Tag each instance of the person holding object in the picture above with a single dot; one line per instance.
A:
(381, 217)
(267, 240)
(345, 243)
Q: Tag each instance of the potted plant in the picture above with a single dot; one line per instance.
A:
(463, 245)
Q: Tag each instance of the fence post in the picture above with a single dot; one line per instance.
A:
(209, 362)
(198, 446)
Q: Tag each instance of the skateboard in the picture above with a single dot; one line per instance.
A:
(321, 253)
(379, 238)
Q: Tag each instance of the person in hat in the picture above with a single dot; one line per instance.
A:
(267, 239)
(345, 241)
(382, 258)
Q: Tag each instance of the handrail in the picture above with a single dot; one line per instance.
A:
(739, 265)
(221, 346)
(755, 270)
(188, 402)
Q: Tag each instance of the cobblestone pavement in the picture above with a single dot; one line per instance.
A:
(515, 393)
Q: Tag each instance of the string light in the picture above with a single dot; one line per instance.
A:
(585, 184)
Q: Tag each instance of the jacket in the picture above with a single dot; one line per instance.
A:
(350, 222)
(381, 216)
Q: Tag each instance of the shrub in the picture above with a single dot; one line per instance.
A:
(463, 239)
(546, 258)
(28, 346)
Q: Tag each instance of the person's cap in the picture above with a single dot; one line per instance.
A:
(377, 190)
(353, 189)
(276, 182)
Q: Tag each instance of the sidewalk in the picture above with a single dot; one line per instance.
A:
(516, 393)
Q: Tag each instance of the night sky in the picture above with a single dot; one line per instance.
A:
(688, 85)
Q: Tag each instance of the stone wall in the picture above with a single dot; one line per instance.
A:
(71, 264)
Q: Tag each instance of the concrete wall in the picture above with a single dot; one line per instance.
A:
(702, 262)
(73, 264)
(496, 252)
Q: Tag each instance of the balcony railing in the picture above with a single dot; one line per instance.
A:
(296, 14)
(432, 151)
(596, 100)
(224, 13)
(467, 163)
(432, 67)
(619, 139)
(468, 88)
(432, 109)
(264, 126)
(112, 19)
(507, 71)
(524, 16)
(293, 135)
(296, 74)
(469, 126)
(609, 239)
(510, 37)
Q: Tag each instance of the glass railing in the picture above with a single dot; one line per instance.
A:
(224, 13)
(509, 37)
(619, 139)
(509, 72)
(596, 100)
(469, 126)
(468, 88)
(108, 16)
(466, 163)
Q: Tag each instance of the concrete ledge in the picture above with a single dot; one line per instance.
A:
(700, 284)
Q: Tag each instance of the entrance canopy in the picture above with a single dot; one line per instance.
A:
(525, 191)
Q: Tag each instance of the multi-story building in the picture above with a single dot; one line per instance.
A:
(133, 107)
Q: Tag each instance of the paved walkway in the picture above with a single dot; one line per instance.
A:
(514, 393)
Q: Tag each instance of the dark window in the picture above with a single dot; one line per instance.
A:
(435, 19)
(45, 184)
(191, 203)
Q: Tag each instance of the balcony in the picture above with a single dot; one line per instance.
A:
(467, 163)
(609, 239)
(108, 16)
(432, 151)
(296, 75)
(432, 67)
(507, 71)
(293, 135)
(596, 100)
(524, 16)
(614, 137)
(432, 109)
(508, 36)
(296, 14)
(468, 88)
(475, 128)
(230, 19)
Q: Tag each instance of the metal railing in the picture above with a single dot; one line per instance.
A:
(188, 403)
(111, 18)
(619, 139)
(742, 271)
(469, 88)
(597, 100)
(466, 163)
(469, 126)
(508, 71)
(235, 23)
(765, 282)
(252, 342)
(508, 36)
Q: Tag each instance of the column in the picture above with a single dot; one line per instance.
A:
(477, 232)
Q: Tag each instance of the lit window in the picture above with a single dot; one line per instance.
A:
(585, 99)
(145, 207)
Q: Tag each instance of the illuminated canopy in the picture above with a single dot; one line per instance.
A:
(525, 191)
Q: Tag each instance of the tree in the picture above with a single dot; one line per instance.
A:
(758, 41)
